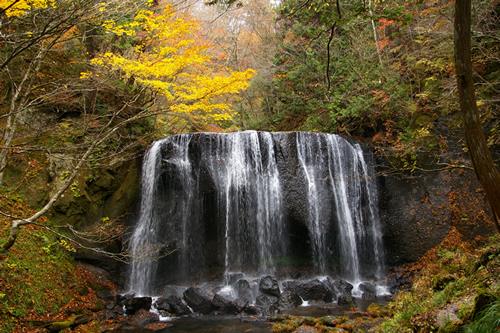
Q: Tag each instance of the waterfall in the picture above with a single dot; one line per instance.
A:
(252, 202)
(311, 161)
(143, 238)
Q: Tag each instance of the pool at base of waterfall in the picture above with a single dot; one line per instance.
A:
(253, 324)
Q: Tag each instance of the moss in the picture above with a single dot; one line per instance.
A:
(450, 328)
(60, 325)
(440, 282)
(377, 310)
(287, 326)
(26, 292)
(83, 291)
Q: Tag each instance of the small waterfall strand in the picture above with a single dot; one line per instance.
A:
(143, 240)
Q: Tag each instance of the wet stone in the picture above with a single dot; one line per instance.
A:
(269, 285)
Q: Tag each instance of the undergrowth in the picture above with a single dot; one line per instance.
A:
(39, 281)
(456, 289)
(487, 321)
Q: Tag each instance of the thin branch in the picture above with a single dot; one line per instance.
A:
(155, 252)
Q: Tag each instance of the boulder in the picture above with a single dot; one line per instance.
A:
(199, 300)
(253, 310)
(368, 296)
(224, 305)
(311, 290)
(269, 285)
(173, 305)
(143, 318)
(342, 287)
(368, 287)
(243, 289)
(241, 304)
(345, 300)
(266, 300)
(289, 300)
(315, 290)
(271, 310)
(120, 299)
(162, 304)
(291, 285)
(398, 282)
(134, 304)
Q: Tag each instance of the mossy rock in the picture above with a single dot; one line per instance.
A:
(74, 321)
(376, 310)
(287, 326)
(440, 282)
(96, 194)
(481, 302)
(450, 328)
(332, 320)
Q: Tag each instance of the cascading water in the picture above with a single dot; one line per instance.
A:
(143, 239)
(251, 202)
(253, 219)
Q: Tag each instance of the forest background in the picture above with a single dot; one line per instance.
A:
(87, 85)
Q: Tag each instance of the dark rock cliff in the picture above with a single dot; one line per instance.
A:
(419, 209)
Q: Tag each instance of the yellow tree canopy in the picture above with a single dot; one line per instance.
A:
(20, 7)
(170, 59)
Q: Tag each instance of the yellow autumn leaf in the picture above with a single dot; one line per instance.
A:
(170, 60)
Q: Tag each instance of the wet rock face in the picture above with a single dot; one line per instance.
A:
(224, 305)
(417, 211)
(199, 300)
(310, 290)
(173, 305)
(243, 289)
(289, 300)
(207, 179)
(407, 205)
(269, 286)
(265, 300)
(134, 304)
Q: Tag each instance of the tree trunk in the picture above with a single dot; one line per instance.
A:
(486, 171)
(13, 235)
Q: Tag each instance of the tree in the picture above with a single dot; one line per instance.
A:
(169, 60)
(157, 69)
(486, 171)
(23, 54)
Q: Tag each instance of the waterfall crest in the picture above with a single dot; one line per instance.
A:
(254, 202)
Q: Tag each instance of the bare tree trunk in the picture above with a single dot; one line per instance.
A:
(486, 171)
(379, 52)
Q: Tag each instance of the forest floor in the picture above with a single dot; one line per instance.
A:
(40, 283)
